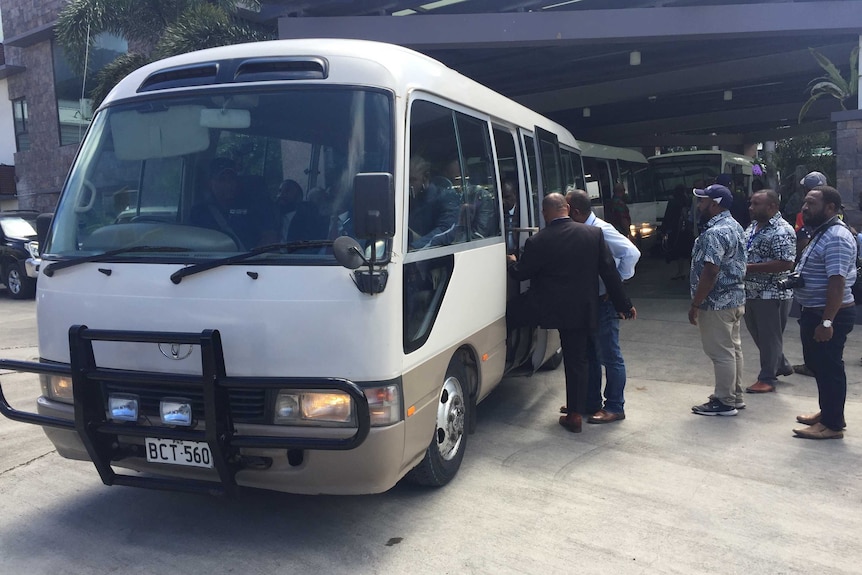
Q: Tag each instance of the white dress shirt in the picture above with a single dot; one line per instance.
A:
(625, 253)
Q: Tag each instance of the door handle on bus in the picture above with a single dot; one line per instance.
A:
(527, 230)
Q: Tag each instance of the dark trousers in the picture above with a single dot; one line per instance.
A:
(826, 360)
(765, 320)
(574, 344)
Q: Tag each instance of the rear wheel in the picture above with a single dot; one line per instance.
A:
(444, 454)
(17, 283)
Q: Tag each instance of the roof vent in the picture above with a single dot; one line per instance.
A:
(288, 68)
(181, 77)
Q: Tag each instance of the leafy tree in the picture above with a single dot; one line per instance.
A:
(833, 84)
(157, 29)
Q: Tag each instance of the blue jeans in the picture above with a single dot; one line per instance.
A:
(826, 360)
(604, 350)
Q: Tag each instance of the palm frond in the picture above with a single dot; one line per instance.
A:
(207, 26)
(112, 73)
(832, 71)
(854, 71)
(807, 105)
(829, 89)
(82, 20)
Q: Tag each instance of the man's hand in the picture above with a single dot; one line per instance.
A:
(822, 334)
(692, 315)
(511, 257)
(631, 314)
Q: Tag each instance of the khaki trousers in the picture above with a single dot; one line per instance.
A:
(719, 334)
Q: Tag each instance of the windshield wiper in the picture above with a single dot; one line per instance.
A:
(104, 256)
(178, 275)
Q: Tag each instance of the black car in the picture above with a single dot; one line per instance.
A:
(17, 243)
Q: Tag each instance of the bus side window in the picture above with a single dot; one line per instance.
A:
(434, 204)
(479, 190)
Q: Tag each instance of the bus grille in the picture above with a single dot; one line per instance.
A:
(246, 405)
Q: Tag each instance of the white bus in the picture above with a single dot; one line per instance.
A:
(698, 169)
(332, 342)
(605, 166)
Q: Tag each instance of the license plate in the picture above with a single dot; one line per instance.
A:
(179, 452)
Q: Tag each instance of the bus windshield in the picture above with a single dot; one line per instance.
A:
(688, 171)
(221, 172)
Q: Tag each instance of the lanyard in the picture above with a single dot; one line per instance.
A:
(753, 235)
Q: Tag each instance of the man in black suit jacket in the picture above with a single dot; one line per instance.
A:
(564, 262)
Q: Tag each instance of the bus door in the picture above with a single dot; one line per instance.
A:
(599, 184)
(547, 148)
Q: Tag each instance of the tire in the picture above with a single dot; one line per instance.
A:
(443, 456)
(553, 362)
(17, 283)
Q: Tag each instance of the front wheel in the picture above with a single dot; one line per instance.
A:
(17, 283)
(444, 454)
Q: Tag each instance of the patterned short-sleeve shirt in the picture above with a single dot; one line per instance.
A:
(774, 240)
(722, 243)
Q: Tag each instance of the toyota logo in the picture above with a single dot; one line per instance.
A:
(176, 351)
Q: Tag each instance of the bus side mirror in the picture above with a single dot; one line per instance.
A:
(374, 206)
(43, 224)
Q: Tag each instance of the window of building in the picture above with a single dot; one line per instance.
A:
(74, 106)
(21, 119)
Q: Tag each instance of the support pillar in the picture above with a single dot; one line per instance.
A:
(848, 164)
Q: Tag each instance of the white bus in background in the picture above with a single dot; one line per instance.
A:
(699, 169)
(338, 357)
(604, 166)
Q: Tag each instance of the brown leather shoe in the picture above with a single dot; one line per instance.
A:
(809, 418)
(760, 387)
(603, 416)
(818, 431)
(812, 419)
(572, 422)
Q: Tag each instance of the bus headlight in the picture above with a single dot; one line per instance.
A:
(57, 387)
(331, 408)
(335, 408)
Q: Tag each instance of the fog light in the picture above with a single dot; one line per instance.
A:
(123, 407)
(176, 411)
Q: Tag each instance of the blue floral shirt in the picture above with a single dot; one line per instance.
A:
(775, 240)
(722, 243)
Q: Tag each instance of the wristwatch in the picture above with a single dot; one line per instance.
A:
(826, 323)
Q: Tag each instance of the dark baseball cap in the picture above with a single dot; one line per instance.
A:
(812, 180)
(725, 180)
(719, 194)
(222, 167)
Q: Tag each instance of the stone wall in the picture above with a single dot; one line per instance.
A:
(848, 162)
(41, 170)
(22, 16)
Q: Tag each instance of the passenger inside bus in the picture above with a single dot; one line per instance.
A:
(434, 204)
(287, 201)
(231, 210)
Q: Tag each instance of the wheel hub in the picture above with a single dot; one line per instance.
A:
(450, 418)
